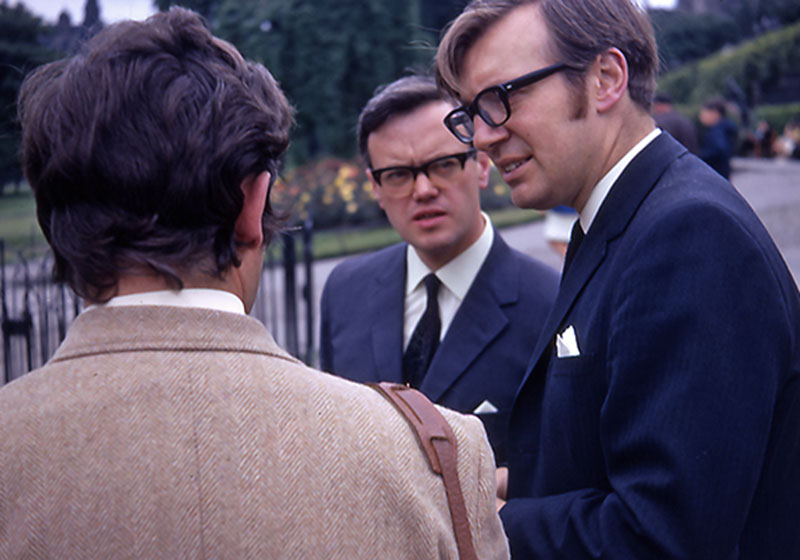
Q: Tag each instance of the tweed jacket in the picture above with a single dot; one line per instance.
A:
(163, 432)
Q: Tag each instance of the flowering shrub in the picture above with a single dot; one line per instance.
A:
(335, 192)
(330, 191)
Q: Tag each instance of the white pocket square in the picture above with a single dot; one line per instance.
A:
(567, 344)
(485, 408)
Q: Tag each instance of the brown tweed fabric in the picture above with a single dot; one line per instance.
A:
(159, 432)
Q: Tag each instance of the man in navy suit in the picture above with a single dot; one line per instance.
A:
(660, 417)
(491, 300)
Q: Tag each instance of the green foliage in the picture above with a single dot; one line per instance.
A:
(91, 14)
(349, 240)
(330, 55)
(205, 7)
(778, 115)
(20, 231)
(20, 52)
(683, 37)
(330, 191)
(336, 192)
(18, 226)
(754, 66)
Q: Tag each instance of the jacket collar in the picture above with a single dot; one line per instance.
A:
(479, 320)
(105, 330)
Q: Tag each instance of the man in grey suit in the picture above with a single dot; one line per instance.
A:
(491, 300)
(169, 424)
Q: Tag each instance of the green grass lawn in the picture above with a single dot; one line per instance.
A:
(20, 231)
(345, 241)
(18, 226)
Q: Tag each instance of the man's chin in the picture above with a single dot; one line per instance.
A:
(523, 196)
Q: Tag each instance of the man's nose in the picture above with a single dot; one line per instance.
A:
(486, 136)
(424, 187)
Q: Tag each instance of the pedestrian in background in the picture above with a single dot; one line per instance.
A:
(719, 141)
(669, 119)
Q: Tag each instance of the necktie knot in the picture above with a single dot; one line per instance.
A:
(431, 287)
(575, 240)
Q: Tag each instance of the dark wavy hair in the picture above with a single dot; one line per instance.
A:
(579, 31)
(137, 147)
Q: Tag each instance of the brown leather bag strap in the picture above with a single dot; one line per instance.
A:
(439, 443)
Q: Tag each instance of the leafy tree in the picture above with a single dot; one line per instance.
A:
(20, 52)
(683, 37)
(751, 68)
(207, 8)
(91, 15)
(329, 56)
(436, 14)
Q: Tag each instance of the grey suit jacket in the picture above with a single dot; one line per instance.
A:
(160, 432)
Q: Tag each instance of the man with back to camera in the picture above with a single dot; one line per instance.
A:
(169, 424)
(490, 300)
(659, 417)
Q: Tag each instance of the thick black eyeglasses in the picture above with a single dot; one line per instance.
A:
(399, 181)
(491, 104)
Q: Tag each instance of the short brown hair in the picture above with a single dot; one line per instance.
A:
(580, 30)
(137, 147)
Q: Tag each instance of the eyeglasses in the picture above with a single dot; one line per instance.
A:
(491, 104)
(398, 182)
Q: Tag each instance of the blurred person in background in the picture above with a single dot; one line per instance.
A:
(669, 119)
(718, 144)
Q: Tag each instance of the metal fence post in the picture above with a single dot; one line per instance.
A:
(290, 291)
(308, 289)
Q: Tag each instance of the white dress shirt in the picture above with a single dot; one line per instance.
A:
(601, 190)
(218, 300)
(456, 277)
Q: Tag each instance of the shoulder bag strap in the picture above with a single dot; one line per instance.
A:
(439, 443)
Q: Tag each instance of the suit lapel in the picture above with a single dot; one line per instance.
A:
(614, 215)
(386, 300)
(478, 321)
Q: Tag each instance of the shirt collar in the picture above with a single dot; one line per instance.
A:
(218, 300)
(601, 190)
(458, 274)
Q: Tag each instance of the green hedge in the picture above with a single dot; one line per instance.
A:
(778, 115)
(754, 66)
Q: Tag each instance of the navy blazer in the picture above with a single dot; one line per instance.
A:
(676, 431)
(484, 353)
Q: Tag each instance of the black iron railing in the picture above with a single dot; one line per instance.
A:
(36, 311)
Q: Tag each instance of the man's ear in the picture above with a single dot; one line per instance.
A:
(484, 167)
(376, 188)
(248, 229)
(611, 79)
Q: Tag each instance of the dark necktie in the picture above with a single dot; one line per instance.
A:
(425, 338)
(575, 240)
